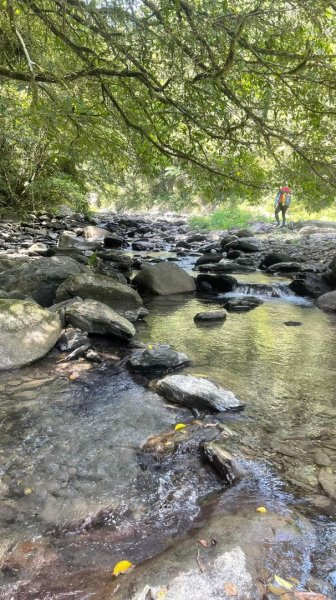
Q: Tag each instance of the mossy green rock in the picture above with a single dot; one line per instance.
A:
(27, 332)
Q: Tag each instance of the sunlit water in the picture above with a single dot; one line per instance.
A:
(76, 484)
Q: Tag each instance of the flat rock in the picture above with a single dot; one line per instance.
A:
(27, 331)
(243, 304)
(157, 360)
(96, 317)
(164, 279)
(196, 392)
(285, 267)
(93, 233)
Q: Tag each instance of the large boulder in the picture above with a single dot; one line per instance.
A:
(327, 302)
(163, 279)
(121, 298)
(196, 392)
(96, 317)
(39, 278)
(27, 331)
(309, 284)
(157, 360)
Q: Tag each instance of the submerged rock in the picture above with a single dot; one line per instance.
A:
(27, 331)
(206, 317)
(157, 360)
(121, 298)
(196, 392)
(164, 279)
(243, 304)
(96, 317)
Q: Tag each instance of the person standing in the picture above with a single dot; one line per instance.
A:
(281, 204)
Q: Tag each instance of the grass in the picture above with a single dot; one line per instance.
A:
(242, 215)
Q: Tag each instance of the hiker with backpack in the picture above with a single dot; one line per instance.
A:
(281, 204)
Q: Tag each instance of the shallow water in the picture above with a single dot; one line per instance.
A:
(95, 497)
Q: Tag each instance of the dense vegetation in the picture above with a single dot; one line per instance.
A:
(220, 99)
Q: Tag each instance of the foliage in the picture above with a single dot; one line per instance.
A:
(243, 214)
(239, 94)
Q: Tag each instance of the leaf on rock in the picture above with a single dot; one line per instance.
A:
(122, 567)
(27, 491)
(230, 589)
(162, 593)
(283, 583)
(261, 509)
(203, 543)
(180, 426)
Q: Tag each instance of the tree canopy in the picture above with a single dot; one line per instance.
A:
(240, 93)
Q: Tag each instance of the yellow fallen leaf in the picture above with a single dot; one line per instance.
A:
(180, 426)
(285, 584)
(150, 346)
(261, 509)
(230, 589)
(27, 491)
(274, 589)
(122, 567)
(162, 593)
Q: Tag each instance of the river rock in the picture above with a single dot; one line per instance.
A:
(285, 267)
(121, 261)
(39, 249)
(209, 258)
(273, 258)
(327, 481)
(71, 339)
(205, 282)
(227, 239)
(95, 234)
(68, 239)
(196, 392)
(28, 332)
(222, 461)
(113, 241)
(157, 360)
(243, 304)
(164, 279)
(309, 284)
(121, 298)
(244, 233)
(210, 316)
(244, 244)
(39, 278)
(327, 302)
(96, 317)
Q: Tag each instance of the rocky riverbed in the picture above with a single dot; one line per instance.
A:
(180, 381)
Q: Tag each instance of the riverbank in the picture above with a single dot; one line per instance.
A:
(93, 469)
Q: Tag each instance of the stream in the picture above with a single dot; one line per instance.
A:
(79, 491)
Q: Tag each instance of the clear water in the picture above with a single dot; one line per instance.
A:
(94, 496)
